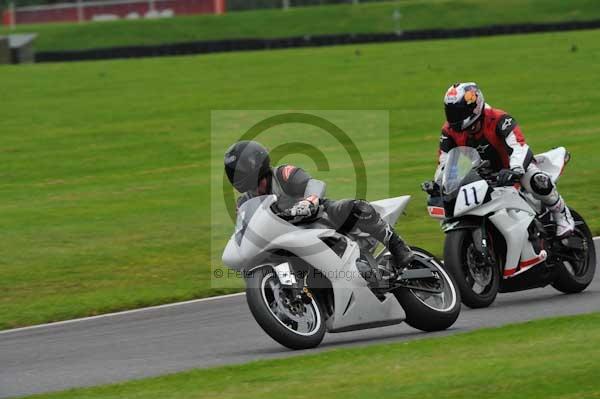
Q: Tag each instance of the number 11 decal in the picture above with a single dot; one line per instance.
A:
(466, 194)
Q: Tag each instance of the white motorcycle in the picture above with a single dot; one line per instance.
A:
(303, 278)
(501, 239)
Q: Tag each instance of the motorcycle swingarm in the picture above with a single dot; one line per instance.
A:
(416, 274)
(417, 288)
(574, 243)
(403, 281)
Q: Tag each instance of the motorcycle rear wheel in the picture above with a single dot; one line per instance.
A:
(573, 278)
(423, 310)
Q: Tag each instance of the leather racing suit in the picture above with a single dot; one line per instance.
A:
(501, 141)
(292, 184)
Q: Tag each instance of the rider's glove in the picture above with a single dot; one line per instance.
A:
(509, 176)
(303, 208)
(431, 188)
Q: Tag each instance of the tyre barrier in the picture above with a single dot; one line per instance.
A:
(217, 46)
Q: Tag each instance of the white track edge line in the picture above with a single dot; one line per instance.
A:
(139, 310)
(124, 312)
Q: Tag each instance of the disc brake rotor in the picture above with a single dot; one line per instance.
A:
(479, 271)
(293, 313)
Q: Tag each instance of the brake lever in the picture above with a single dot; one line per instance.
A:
(431, 188)
(494, 181)
(483, 165)
(287, 216)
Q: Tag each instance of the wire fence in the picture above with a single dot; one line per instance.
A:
(106, 10)
(232, 5)
(42, 11)
(238, 5)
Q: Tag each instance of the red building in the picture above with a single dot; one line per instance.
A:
(110, 9)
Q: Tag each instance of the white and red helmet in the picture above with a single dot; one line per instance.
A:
(464, 105)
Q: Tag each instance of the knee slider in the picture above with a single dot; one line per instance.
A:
(541, 184)
(364, 211)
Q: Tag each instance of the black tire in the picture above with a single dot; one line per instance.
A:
(420, 315)
(270, 323)
(455, 261)
(568, 282)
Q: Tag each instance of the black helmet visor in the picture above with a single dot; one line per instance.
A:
(242, 181)
(457, 113)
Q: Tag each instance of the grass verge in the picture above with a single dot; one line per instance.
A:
(104, 184)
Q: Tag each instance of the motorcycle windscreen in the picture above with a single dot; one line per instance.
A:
(461, 160)
(245, 213)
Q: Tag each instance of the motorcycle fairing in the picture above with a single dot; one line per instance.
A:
(470, 196)
(356, 306)
(511, 215)
(552, 162)
(520, 254)
(390, 209)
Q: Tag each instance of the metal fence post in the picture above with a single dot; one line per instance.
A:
(80, 16)
(396, 16)
(13, 15)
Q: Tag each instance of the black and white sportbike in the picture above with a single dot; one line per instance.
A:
(501, 239)
(303, 278)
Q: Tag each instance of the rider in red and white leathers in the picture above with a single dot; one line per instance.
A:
(498, 138)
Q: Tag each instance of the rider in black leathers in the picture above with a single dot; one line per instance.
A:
(247, 165)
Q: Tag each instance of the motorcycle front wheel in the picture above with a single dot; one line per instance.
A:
(292, 323)
(477, 281)
(433, 304)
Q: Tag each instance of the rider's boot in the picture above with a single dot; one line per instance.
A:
(543, 188)
(401, 253)
(368, 220)
(565, 225)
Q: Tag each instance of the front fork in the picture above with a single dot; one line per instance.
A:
(295, 281)
(481, 241)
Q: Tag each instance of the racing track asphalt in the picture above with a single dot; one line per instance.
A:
(204, 333)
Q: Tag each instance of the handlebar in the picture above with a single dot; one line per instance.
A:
(431, 188)
(492, 180)
(434, 190)
(485, 164)
(492, 177)
(286, 215)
